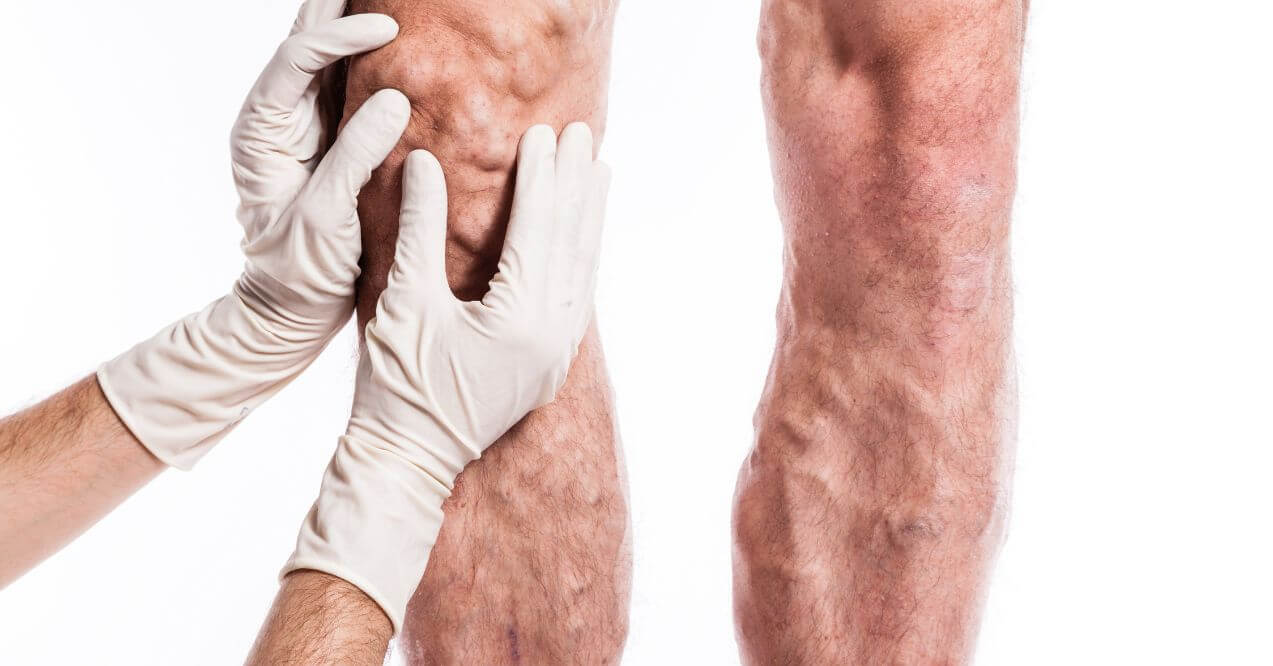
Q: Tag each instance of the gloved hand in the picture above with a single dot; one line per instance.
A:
(181, 391)
(441, 379)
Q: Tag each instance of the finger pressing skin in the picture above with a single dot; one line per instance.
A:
(573, 184)
(314, 12)
(419, 267)
(530, 223)
(303, 55)
(365, 142)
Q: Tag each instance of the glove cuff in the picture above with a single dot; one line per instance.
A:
(186, 388)
(374, 524)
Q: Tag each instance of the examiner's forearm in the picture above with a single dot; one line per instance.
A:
(64, 464)
(67, 462)
(321, 619)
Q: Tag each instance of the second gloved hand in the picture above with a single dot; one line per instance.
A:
(442, 379)
(182, 390)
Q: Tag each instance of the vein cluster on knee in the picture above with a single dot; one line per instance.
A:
(470, 70)
(478, 73)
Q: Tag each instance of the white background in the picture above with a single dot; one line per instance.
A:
(1141, 529)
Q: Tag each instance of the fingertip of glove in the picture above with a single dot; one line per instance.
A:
(539, 137)
(422, 161)
(393, 104)
(577, 131)
(391, 26)
(378, 28)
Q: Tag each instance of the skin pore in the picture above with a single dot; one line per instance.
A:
(532, 564)
(871, 508)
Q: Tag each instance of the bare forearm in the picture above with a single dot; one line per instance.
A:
(64, 464)
(870, 512)
(321, 619)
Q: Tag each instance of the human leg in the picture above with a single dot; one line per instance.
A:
(869, 512)
(532, 563)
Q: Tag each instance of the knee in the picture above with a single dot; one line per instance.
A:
(477, 76)
(869, 30)
(949, 63)
(466, 78)
(472, 74)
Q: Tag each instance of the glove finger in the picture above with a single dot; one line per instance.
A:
(574, 168)
(315, 12)
(419, 264)
(525, 254)
(590, 233)
(368, 138)
(574, 183)
(302, 56)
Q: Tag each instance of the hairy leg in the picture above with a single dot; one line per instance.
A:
(532, 564)
(868, 514)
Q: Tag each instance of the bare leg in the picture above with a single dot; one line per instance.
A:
(869, 513)
(532, 565)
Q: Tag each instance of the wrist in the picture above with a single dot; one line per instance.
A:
(374, 524)
(303, 315)
(184, 389)
(318, 618)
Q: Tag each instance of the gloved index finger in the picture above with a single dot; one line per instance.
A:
(528, 238)
(365, 142)
(303, 55)
(419, 261)
(315, 12)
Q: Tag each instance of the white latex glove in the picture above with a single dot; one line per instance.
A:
(181, 391)
(442, 379)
